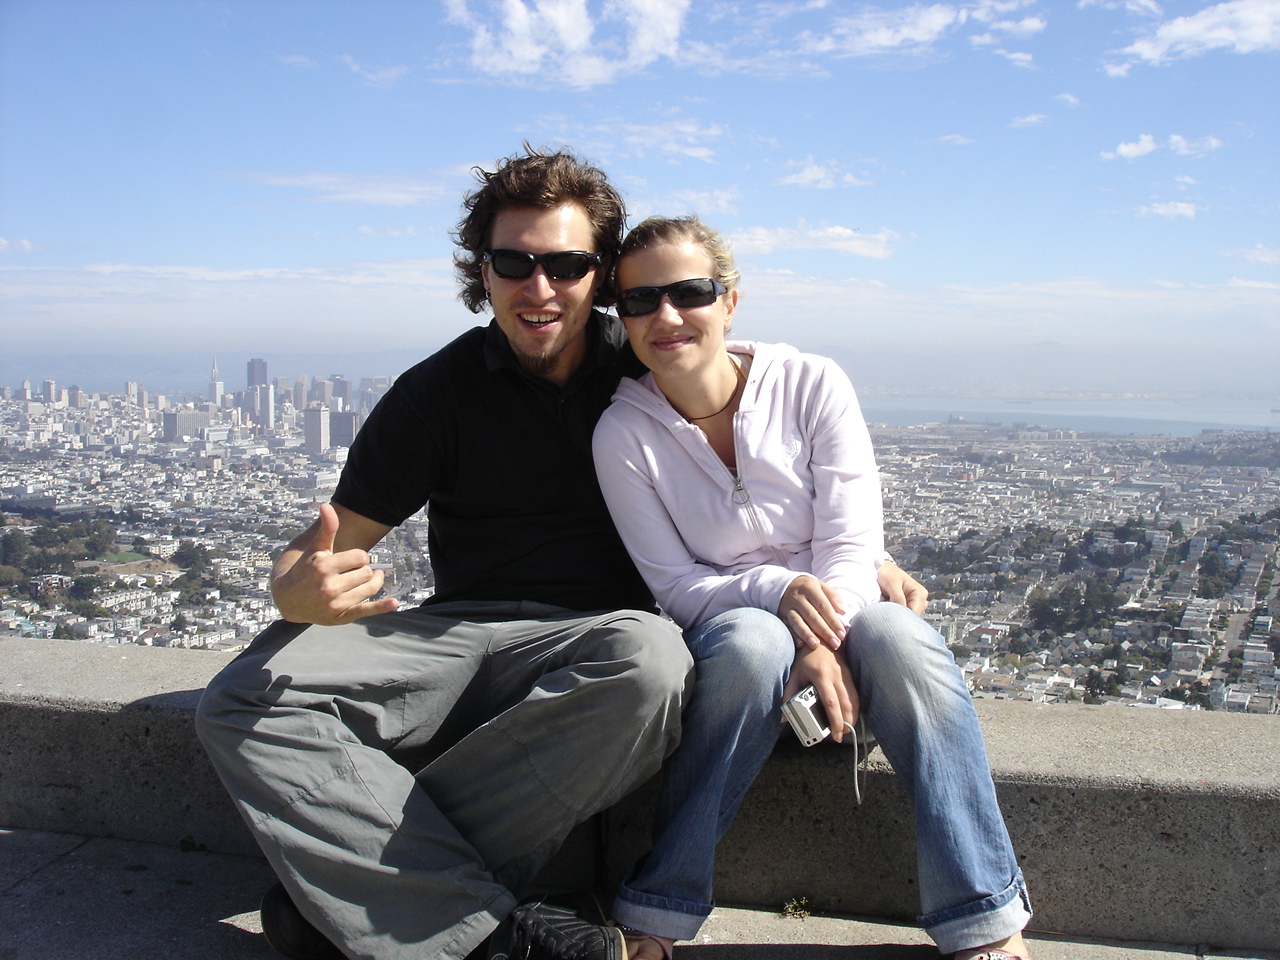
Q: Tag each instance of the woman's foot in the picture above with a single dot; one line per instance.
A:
(1012, 948)
(646, 946)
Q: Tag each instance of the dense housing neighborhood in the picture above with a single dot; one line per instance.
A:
(1119, 570)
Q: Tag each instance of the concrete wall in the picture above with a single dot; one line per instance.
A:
(1130, 824)
(99, 739)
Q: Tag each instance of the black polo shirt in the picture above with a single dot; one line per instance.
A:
(503, 461)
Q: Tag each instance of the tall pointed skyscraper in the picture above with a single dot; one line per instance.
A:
(215, 385)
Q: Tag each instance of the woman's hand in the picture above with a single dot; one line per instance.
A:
(829, 673)
(812, 612)
(898, 586)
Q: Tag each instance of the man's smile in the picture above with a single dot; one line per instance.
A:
(539, 319)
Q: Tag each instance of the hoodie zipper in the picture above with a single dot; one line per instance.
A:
(742, 498)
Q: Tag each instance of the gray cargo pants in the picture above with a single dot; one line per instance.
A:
(408, 774)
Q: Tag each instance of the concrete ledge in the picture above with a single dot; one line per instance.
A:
(99, 740)
(1130, 824)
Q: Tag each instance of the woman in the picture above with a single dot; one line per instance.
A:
(741, 478)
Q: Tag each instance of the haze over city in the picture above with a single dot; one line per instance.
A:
(1002, 197)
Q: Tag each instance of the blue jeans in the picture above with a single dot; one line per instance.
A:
(914, 700)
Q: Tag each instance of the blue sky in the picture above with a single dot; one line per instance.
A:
(994, 196)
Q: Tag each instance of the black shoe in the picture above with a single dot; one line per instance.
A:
(290, 933)
(569, 927)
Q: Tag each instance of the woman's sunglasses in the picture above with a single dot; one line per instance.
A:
(561, 265)
(637, 301)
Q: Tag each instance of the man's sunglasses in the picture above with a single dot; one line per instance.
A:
(638, 301)
(561, 265)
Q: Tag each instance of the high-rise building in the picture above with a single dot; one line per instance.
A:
(321, 391)
(342, 389)
(256, 371)
(343, 427)
(130, 392)
(371, 391)
(265, 407)
(315, 430)
(50, 391)
(183, 423)
(215, 385)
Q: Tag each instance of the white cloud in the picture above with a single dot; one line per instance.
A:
(1183, 180)
(379, 190)
(998, 30)
(683, 137)
(674, 137)
(1026, 27)
(1030, 120)
(1024, 60)
(377, 232)
(586, 43)
(1193, 148)
(413, 305)
(408, 273)
(811, 175)
(297, 60)
(1131, 151)
(953, 326)
(1173, 210)
(822, 176)
(763, 240)
(198, 274)
(886, 31)
(955, 139)
(548, 41)
(1241, 26)
(1269, 256)
(1146, 8)
(384, 79)
(16, 246)
(990, 11)
(1178, 144)
(704, 203)
(1069, 99)
(1255, 284)
(121, 308)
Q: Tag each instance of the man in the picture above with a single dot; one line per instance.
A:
(407, 773)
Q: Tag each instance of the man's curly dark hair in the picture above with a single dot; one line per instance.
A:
(544, 180)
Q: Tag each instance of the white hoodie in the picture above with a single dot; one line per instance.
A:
(806, 498)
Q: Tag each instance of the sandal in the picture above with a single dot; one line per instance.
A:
(994, 953)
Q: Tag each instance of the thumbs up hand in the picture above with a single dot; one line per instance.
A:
(313, 582)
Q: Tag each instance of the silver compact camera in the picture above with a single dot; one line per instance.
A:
(807, 716)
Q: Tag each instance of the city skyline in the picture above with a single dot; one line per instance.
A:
(996, 195)
(1127, 413)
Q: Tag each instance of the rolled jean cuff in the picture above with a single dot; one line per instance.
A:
(981, 922)
(677, 919)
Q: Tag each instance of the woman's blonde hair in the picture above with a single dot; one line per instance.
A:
(658, 230)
